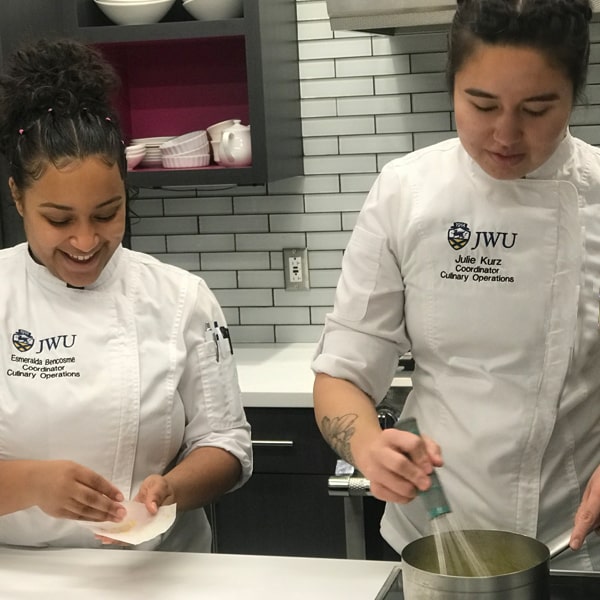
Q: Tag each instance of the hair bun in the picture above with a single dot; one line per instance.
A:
(63, 75)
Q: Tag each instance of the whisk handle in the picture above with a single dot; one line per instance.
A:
(434, 498)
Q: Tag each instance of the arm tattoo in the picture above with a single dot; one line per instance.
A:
(337, 432)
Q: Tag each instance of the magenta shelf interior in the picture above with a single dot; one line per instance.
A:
(175, 86)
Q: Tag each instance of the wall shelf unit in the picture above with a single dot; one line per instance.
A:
(181, 75)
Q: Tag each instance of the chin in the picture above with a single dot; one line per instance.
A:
(505, 174)
(79, 280)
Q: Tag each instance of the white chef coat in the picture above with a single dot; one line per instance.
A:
(121, 377)
(493, 285)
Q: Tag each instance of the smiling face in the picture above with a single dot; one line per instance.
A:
(74, 218)
(512, 109)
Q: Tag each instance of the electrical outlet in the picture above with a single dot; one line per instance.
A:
(295, 268)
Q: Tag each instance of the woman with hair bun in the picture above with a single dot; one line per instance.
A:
(117, 384)
(481, 255)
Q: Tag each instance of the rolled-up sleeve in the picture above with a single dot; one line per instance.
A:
(210, 390)
(365, 334)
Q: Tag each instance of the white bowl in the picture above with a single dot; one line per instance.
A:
(215, 131)
(135, 148)
(188, 161)
(203, 149)
(210, 10)
(188, 142)
(131, 12)
(134, 161)
(139, 155)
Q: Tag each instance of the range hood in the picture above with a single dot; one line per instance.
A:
(399, 16)
(390, 16)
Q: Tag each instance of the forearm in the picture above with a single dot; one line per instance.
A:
(346, 417)
(17, 490)
(203, 476)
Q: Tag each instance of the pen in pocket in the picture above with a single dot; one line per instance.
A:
(210, 332)
(226, 336)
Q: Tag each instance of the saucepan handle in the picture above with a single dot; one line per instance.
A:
(559, 544)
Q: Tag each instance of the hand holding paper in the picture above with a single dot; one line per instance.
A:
(138, 524)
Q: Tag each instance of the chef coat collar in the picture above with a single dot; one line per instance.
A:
(46, 277)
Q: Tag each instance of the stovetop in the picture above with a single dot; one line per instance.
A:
(564, 585)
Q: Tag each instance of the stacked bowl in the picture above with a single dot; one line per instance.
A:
(135, 154)
(134, 12)
(186, 151)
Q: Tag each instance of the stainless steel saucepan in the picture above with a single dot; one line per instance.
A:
(515, 567)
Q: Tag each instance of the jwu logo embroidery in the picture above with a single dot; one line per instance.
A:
(459, 235)
(23, 341)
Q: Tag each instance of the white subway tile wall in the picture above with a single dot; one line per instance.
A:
(366, 99)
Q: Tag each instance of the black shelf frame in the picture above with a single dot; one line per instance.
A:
(269, 31)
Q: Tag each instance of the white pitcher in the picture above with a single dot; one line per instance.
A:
(235, 149)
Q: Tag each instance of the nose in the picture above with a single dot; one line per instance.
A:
(507, 129)
(84, 237)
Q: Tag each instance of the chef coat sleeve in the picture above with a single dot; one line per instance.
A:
(364, 335)
(209, 387)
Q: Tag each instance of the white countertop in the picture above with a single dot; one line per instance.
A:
(86, 574)
(279, 375)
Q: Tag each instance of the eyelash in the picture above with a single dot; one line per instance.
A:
(68, 221)
(531, 113)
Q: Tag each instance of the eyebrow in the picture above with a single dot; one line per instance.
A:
(70, 208)
(550, 96)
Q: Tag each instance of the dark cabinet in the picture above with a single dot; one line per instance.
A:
(285, 508)
(181, 75)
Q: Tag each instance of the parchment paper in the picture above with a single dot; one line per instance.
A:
(137, 526)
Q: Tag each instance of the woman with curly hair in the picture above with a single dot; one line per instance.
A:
(481, 255)
(114, 387)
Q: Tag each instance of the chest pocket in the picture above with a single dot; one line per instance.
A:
(360, 267)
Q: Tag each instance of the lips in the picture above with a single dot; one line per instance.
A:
(507, 159)
(80, 269)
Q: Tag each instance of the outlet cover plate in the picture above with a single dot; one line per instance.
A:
(295, 269)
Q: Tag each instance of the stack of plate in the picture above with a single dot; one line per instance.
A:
(186, 151)
(153, 156)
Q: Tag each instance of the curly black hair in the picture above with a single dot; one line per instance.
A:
(558, 28)
(55, 107)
